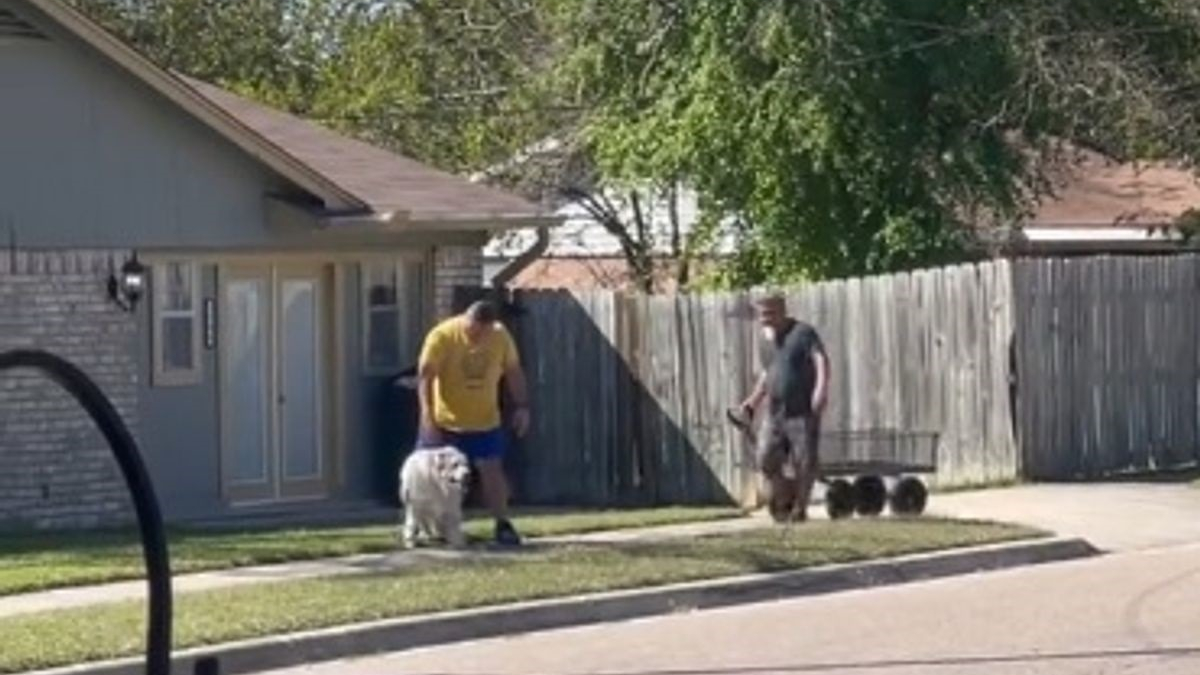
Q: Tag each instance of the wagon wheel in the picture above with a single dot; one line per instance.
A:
(909, 497)
(870, 495)
(839, 499)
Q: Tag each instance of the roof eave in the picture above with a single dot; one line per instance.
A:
(1077, 232)
(283, 212)
(408, 222)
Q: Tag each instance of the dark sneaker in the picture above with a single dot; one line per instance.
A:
(506, 534)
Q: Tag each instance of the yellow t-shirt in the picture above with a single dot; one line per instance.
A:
(466, 387)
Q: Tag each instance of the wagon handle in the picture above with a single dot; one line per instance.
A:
(740, 422)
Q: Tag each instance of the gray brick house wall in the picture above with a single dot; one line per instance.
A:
(454, 266)
(55, 468)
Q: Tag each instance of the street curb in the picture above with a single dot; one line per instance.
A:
(394, 635)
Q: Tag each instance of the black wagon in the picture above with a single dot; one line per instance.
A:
(868, 471)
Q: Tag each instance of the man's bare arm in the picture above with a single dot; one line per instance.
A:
(757, 395)
(514, 380)
(518, 387)
(821, 386)
(427, 374)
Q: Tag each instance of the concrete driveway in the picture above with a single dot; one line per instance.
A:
(1112, 516)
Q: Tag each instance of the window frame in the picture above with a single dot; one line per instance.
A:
(398, 264)
(194, 374)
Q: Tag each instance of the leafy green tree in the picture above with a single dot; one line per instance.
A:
(858, 137)
(452, 82)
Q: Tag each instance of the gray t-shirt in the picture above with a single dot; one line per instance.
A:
(791, 375)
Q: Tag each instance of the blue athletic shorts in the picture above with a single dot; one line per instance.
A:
(476, 445)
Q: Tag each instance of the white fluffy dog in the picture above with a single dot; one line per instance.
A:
(433, 482)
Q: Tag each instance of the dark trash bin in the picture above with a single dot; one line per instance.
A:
(397, 421)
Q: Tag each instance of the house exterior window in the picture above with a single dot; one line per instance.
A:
(176, 333)
(395, 311)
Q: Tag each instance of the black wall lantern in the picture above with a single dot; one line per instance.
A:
(128, 288)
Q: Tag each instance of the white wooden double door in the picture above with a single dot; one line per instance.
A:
(275, 394)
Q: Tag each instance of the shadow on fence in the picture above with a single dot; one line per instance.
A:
(616, 422)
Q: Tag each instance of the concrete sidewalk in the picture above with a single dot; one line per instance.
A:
(65, 598)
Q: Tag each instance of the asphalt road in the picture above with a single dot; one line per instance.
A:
(1128, 613)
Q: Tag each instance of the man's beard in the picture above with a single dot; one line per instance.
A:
(768, 333)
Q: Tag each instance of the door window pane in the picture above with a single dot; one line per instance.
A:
(301, 422)
(176, 324)
(247, 349)
(178, 353)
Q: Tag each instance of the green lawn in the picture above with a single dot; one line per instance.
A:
(40, 562)
(74, 636)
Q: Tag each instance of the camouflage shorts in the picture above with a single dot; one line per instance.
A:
(796, 438)
(782, 445)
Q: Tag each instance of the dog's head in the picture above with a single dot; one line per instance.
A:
(452, 468)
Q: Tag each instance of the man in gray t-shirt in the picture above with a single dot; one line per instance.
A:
(795, 384)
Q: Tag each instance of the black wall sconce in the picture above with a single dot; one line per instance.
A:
(128, 287)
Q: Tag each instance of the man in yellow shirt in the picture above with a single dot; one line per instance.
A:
(462, 363)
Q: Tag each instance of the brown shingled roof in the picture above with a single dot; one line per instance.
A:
(1094, 191)
(383, 180)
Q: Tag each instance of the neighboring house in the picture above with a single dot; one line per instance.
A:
(1100, 206)
(583, 255)
(292, 272)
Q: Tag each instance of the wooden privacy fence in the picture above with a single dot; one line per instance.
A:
(1044, 369)
(1108, 361)
(630, 391)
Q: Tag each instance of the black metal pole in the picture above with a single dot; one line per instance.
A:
(145, 504)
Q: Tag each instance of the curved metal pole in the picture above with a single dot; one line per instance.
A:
(154, 540)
